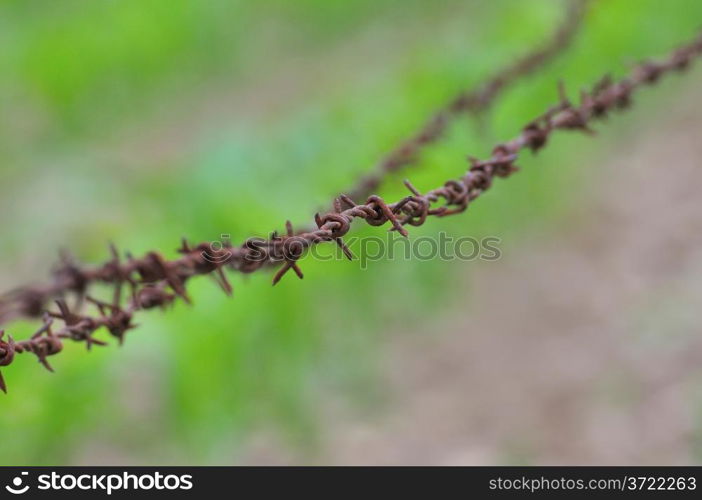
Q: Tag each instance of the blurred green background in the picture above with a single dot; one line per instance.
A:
(140, 122)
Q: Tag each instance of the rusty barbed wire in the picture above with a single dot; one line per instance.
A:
(156, 282)
(475, 101)
(68, 278)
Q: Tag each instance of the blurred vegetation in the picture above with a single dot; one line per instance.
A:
(143, 121)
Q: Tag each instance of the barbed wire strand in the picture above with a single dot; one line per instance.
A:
(31, 301)
(156, 282)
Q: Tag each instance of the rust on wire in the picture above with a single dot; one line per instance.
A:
(157, 282)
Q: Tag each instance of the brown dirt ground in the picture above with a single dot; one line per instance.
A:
(582, 345)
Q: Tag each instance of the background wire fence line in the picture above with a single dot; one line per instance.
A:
(473, 101)
(156, 282)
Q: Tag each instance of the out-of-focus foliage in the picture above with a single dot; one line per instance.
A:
(141, 122)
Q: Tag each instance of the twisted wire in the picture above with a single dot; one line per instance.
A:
(154, 281)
